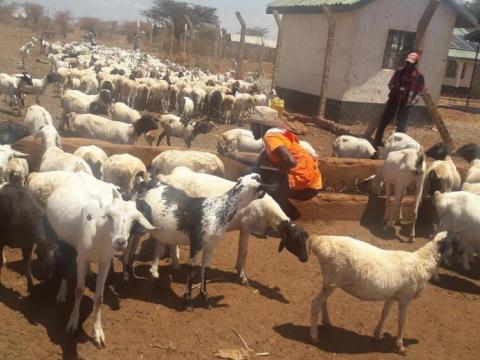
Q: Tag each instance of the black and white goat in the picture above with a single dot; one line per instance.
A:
(197, 222)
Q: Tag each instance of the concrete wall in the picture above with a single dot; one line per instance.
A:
(361, 37)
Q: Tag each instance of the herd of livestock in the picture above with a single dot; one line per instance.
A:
(84, 207)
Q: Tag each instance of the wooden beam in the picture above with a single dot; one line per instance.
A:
(240, 54)
(437, 118)
(172, 37)
(424, 22)
(328, 60)
(279, 21)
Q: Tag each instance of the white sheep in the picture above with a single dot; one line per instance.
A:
(42, 184)
(94, 157)
(399, 141)
(38, 87)
(89, 215)
(352, 147)
(96, 127)
(442, 174)
(124, 113)
(471, 153)
(159, 97)
(244, 103)
(74, 101)
(7, 154)
(54, 158)
(197, 161)
(124, 171)
(199, 223)
(37, 117)
(459, 212)
(89, 84)
(10, 86)
(180, 127)
(401, 169)
(198, 97)
(256, 218)
(24, 52)
(16, 171)
(186, 107)
(372, 274)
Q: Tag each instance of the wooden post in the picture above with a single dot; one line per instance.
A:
(279, 21)
(328, 60)
(189, 30)
(260, 57)
(219, 46)
(424, 22)
(172, 37)
(437, 118)
(241, 45)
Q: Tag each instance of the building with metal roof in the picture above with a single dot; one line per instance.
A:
(372, 39)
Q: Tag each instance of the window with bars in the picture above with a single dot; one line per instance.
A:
(399, 45)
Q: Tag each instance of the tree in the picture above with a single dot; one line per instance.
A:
(164, 10)
(6, 10)
(63, 20)
(34, 13)
(473, 6)
(257, 31)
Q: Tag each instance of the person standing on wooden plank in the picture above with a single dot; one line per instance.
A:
(406, 87)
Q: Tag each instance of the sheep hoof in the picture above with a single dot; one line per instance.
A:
(401, 349)
(377, 336)
(315, 339)
(99, 338)
(188, 303)
(411, 239)
(72, 326)
(154, 273)
(205, 301)
(244, 282)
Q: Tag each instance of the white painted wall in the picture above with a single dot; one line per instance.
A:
(361, 36)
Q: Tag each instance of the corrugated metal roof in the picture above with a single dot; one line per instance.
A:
(315, 6)
(461, 48)
(254, 40)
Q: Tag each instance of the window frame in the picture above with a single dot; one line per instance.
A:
(403, 41)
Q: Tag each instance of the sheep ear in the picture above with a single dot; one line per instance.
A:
(145, 223)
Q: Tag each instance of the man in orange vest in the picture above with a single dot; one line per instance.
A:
(284, 162)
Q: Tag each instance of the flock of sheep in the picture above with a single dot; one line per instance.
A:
(83, 207)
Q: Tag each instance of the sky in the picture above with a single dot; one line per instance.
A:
(253, 11)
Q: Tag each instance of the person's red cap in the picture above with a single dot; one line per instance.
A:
(413, 58)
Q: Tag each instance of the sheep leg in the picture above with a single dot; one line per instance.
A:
(188, 291)
(402, 314)
(159, 252)
(398, 205)
(204, 275)
(242, 256)
(98, 335)
(175, 255)
(72, 325)
(27, 263)
(386, 310)
(466, 260)
(160, 137)
(128, 256)
(168, 140)
(320, 301)
(387, 216)
(418, 199)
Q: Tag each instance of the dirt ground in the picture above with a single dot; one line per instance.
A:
(272, 315)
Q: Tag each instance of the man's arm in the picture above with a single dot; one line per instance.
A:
(288, 161)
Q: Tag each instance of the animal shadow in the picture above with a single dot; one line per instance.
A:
(457, 284)
(341, 341)
(39, 308)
